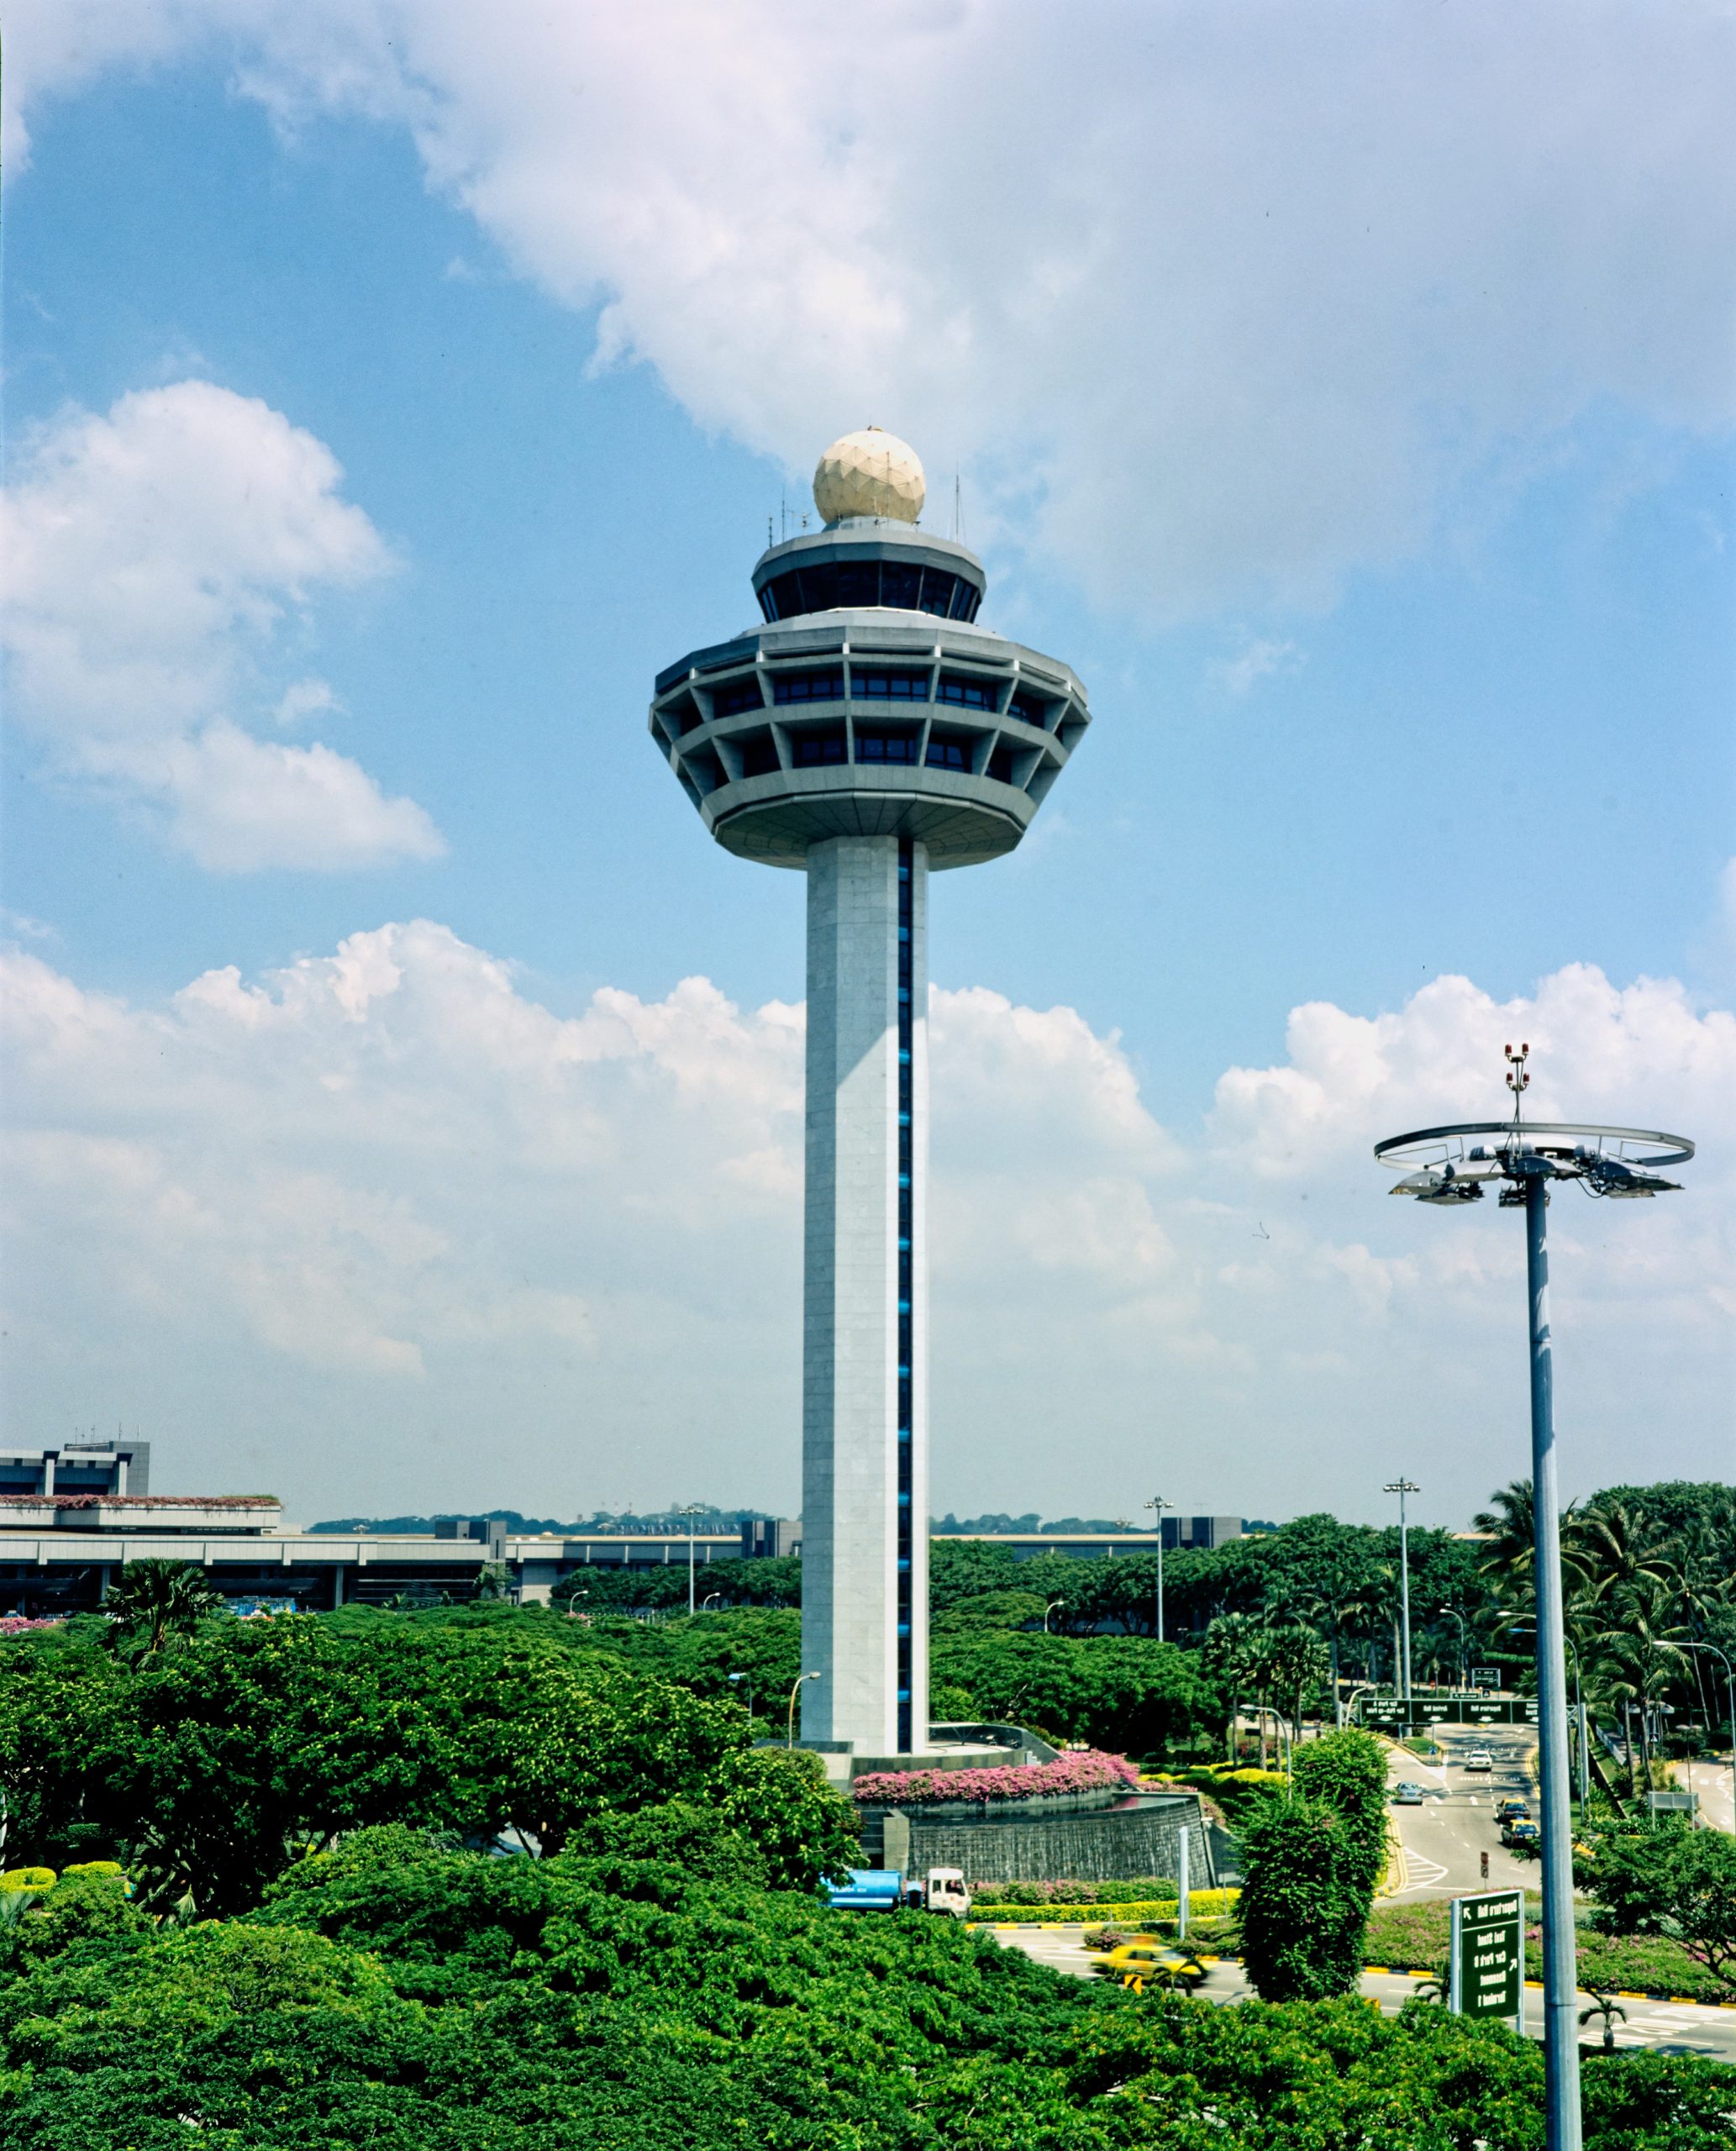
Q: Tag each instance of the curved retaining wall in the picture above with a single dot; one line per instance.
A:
(1005, 1844)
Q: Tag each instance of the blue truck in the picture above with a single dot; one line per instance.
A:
(885, 1889)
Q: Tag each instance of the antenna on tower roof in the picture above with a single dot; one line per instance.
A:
(958, 504)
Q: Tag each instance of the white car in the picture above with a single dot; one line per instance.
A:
(1480, 1758)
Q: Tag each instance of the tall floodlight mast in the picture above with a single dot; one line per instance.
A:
(865, 730)
(1401, 1487)
(1451, 1165)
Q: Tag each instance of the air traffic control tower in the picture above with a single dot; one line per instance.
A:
(866, 731)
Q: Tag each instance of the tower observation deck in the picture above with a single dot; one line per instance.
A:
(866, 730)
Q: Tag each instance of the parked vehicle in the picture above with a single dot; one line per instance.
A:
(1480, 1758)
(1406, 1794)
(1145, 1961)
(886, 1890)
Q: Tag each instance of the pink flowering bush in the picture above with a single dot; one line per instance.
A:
(16, 1624)
(1084, 1770)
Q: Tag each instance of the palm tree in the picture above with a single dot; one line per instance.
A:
(1294, 1661)
(1339, 1606)
(1637, 1657)
(1508, 1525)
(150, 1602)
(1601, 2005)
(1608, 1548)
(1230, 1648)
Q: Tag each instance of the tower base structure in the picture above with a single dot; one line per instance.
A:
(864, 1585)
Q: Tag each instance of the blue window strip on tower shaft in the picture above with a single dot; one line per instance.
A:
(905, 1568)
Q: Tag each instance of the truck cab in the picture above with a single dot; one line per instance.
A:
(947, 1892)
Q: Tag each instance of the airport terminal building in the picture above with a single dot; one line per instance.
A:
(72, 1517)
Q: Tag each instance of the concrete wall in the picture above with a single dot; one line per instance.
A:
(850, 1294)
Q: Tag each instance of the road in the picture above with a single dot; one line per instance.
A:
(1712, 1782)
(1445, 1839)
(1666, 2027)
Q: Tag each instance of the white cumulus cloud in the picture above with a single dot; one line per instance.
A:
(154, 557)
(1208, 300)
(382, 1229)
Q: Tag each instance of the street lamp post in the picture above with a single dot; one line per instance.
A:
(790, 1729)
(690, 1509)
(744, 1682)
(1266, 1710)
(1453, 1613)
(1448, 1166)
(1158, 1503)
(1049, 1609)
(1401, 1487)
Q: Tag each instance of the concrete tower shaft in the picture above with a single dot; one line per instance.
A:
(867, 730)
(865, 1342)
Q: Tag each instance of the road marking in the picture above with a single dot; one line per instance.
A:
(1421, 1873)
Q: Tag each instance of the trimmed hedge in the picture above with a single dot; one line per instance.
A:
(1236, 1793)
(1202, 1904)
(1138, 1889)
(29, 1878)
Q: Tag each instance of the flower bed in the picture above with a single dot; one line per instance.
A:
(1089, 1771)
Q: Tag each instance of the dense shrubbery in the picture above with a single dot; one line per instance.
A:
(1118, 1692)
(665, 1978)
(1669, 1880)
(394, 1995)
(213, 1763)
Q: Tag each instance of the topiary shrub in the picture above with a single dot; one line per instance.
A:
(29, 1878)
(1312, 1864)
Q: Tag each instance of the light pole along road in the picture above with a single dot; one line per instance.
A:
(1401, 1486)
(1160, 1504)
(1448, 1167)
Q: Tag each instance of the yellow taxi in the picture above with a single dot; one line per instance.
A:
(1145, 1961)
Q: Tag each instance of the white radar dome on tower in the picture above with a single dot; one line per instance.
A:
(869, 473)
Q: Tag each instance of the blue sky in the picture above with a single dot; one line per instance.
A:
(1402, 587)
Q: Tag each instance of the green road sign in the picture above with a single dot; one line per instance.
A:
(1384, 1716)
(1487, 1968)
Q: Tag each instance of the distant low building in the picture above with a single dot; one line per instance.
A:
(77, 1467)
(70, 1517)
(1188, 1533)
(770, 1538)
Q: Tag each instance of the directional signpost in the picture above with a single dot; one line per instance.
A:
(1384, 1716)
(1486, 1969)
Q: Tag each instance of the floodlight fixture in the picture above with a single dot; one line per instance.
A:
(1454, 1165)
